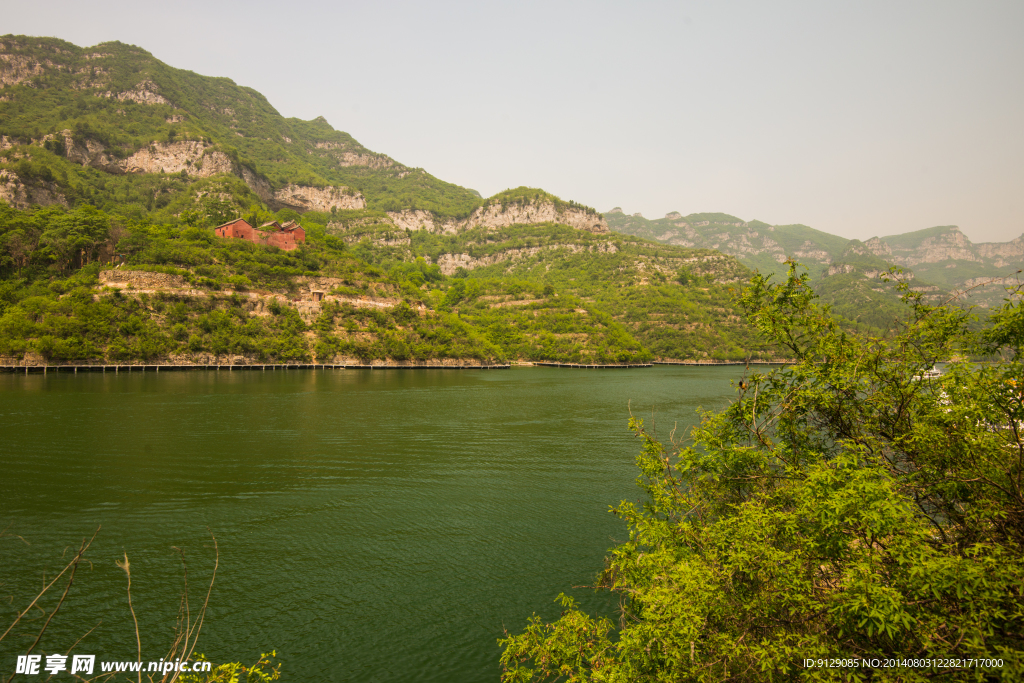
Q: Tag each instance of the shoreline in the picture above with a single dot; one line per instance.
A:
(117, 368)
(780, 361)
(157, 367)
(588, 366)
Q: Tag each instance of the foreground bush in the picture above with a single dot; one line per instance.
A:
(840, 508)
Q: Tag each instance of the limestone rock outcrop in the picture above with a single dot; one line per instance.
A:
(305, 198)
(19, 195)
(1003, 253)
(495, 216)
(143, 93)
(339, 152)
(948, 245)
(498, 216)
(15, 69)
(424, 220)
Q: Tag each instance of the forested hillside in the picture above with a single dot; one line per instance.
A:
(115, 167)
(81, 124)
(129, 163)
(544, 292)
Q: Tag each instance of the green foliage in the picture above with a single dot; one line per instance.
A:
(718, 218)
(840, 508)
(68, 319)
(624, 278)
(263, 671)
(795, 237)
(535, 326)
(521, 196)
(912, 239)
(572, 296)
(400, 333)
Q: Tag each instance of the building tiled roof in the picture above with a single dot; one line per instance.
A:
(237, 220)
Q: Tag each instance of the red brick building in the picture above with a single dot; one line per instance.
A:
(287, 236)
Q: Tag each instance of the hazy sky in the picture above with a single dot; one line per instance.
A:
(858, 118)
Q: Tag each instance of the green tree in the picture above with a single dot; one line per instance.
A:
(73, 239)
(842, 507)
(217, 211)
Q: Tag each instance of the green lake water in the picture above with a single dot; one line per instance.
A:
(373, 526)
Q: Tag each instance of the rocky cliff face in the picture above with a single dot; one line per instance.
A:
(195, 158)
(305, 198)
(757, 244)
(839, 269)
(15, 69)
(941, 256)
(949, 244)
(945, 261)
(423, 220)
(498, 216)
(201, 160)
(1003, 254)
(749, 243)
(191, 156)
(22, 196)
(877, 247)
(344, 157)
(145, 92)
(938, 245)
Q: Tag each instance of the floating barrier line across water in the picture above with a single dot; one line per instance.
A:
(723, 362)
(116, 368)
(591, 366)
(44, 369)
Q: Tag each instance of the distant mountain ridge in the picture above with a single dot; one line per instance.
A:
(942, 256)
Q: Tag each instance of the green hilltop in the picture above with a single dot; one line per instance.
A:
(116, 100)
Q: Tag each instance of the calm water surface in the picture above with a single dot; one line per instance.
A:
(373, 525)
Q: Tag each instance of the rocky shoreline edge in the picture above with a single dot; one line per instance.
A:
(143, 367)
(40, 366)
